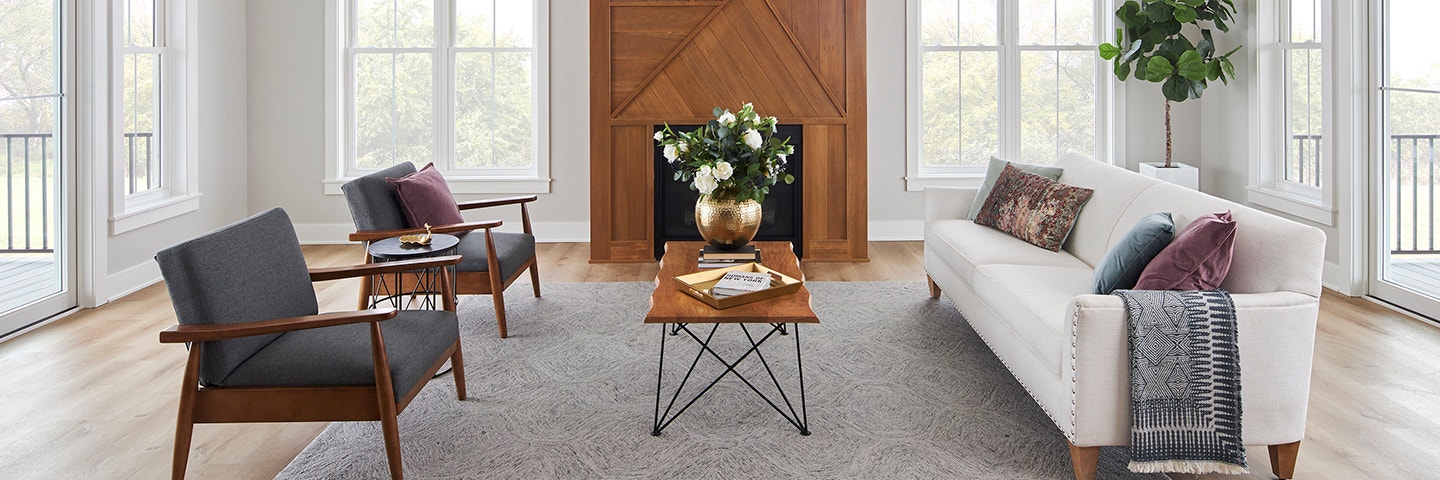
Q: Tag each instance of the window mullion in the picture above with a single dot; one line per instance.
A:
(1009, 84)
(444, 106)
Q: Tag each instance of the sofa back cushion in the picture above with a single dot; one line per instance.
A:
(1033, 208)
(1099, 225)
(1271, 253)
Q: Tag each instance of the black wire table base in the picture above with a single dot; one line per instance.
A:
(663, 419)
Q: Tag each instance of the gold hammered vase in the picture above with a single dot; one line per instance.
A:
(726, 223)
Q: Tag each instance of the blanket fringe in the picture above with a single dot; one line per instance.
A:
(1197, 467)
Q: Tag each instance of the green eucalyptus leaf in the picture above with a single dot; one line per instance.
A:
(789, 179)
(716, 112)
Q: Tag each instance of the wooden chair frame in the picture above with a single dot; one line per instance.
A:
(200, 404)
(467, 283)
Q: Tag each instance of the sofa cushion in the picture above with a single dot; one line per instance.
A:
(992, 173)
(1123, 264)
(1033, 299)
(1198, 259)
(1116, 191)
(963, 246)
(1033, 208)
(426, 198)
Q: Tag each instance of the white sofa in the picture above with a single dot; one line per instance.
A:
(1068, 347)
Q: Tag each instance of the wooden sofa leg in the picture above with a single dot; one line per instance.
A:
(1085, 460)
(1282, 459)
(934, 289)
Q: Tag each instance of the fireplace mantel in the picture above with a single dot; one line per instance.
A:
(672, 61)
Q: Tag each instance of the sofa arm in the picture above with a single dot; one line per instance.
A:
(1277, 344)
(948, 203)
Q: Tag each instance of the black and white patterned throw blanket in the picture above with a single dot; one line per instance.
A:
(1184, 382)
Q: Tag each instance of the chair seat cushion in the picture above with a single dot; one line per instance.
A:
(341, 355)
(512, 248)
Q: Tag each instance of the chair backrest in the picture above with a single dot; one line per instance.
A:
(247, 271)
(372, 200)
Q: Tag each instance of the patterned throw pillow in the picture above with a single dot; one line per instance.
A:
(1033, 208)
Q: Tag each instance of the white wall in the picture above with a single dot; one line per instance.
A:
(287, 124)
(129, 257)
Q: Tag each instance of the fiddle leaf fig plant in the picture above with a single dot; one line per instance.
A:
(1153, 46)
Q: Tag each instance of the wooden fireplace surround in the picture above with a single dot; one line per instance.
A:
(672, 61)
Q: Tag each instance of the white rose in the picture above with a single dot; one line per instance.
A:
(670, 153)
(724, 170)
(752, 139)
(727, 118)
(682, 147)
(705, 182)
(659, 135)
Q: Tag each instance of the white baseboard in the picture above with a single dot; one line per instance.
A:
(1335, 278)
(130, 280)
(338, 233)
(897, 230)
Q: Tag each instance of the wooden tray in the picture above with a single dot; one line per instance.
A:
(698, 285)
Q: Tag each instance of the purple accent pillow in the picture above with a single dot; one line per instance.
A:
(426, 198)
(1198, 258)
(1033, 208)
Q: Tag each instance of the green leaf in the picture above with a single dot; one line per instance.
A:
(1119, 36)
(1158, 68)
(1158, 12)
(1122, 70)
(1206, 47)
(1193, 3)
(1108, 51)
(1213, 72)
(1176, 89)
(789, 179)
(1228, 67)
(1184, 14)
(1172, 49)
(1141, 68)
(1127, 13)
(716, 112)
(1191, 66)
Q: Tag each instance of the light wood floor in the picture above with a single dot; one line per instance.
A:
(93, 395)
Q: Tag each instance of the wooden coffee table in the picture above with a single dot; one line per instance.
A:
(676, 311)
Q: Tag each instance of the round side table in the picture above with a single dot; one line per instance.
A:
(422, 285)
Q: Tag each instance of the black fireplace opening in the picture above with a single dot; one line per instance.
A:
(781, 212)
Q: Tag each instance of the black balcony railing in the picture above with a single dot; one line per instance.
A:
(31, 180)
(1411, 172)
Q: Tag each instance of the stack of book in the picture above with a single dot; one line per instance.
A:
(711, 257)
(740, 283)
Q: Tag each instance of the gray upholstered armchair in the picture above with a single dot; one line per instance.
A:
(260, 351)
(378, 215)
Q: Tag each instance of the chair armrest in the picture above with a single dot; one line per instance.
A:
(350, 271)
(225, 331)
(495, 202)
(373, 235)
(948, 203)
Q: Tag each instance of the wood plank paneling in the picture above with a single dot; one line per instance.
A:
(672, 61)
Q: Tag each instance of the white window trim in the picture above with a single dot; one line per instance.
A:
(179, 120)
(1108, 94)
(1268, 188)
(337, 144)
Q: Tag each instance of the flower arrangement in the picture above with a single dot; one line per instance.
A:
(736, 155)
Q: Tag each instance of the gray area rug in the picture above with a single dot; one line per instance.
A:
(898, 386)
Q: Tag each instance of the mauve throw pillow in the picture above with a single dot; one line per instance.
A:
(1198, 259)
(1123, 264)
(1033, 208)
(992, 173)
(426, 198)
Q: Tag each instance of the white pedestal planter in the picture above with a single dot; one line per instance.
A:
(1180, 174)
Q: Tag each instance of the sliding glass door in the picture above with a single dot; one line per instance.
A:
(1406, 224)
(35, 242)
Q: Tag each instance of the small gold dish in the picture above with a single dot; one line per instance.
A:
(417, 239)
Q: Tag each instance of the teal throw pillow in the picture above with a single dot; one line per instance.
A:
(1122, 265)
(992, 172)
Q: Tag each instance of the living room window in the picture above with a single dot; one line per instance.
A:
(1016, 79)
(461, 83)
(1293, 150)
(154, 114)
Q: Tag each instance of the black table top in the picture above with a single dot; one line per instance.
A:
(391, 248)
